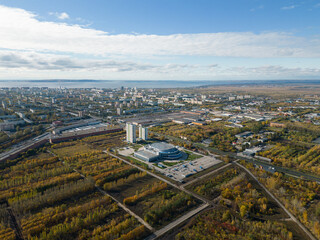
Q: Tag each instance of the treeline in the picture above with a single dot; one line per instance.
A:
(305, 129)
(172, 207)
(156, 187)
(221, 136)
(15, 181)
(246, 200)
(4, 216)
(224, 224)
(32, 163)
(6, 233)
(120, 231)
(211, 187)
(295, 156)
(120, 175)
(299, 196)
(69, 230)
(310, 160)
(22, 204)
(40, 186)
(35, 224)
(122, 181)
(51, 201)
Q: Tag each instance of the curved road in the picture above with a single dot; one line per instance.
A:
(279, 203)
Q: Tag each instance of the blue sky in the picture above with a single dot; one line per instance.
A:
(160, 39)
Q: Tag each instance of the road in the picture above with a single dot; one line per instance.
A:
(279, 203)
(206, 175)
(160, 178)
(106, 194)
(290, 172)
(175, 223)
(24, 145)
(181, 188)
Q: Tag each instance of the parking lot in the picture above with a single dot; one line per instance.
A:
(188, 168)
(181, 170)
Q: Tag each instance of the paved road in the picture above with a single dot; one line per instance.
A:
(118, 202)
(184, 217)
(279, 203)
(175, 223)
(24, 146)
(160, 178)
(290, 172)
(206, 175)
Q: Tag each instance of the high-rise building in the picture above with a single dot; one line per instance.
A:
(143, 133)
(80, 113)
(131, 132)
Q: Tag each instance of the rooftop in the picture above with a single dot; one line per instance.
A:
(162, 146)
(146, 154)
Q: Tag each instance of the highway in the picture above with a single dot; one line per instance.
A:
(24, 145)
(289, 172)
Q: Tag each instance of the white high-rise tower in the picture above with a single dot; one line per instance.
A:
(143, 132)
(131, 132)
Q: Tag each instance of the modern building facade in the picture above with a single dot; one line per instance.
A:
(131, 133)
(159, 151)
(143, 133)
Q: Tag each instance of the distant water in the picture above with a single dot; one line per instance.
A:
(142, 84)
(101, 84)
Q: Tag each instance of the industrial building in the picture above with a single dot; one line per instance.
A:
(159, 151)
(131, 133)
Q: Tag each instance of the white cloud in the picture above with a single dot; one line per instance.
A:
(36, 65)
(41, 62)
(38, 49)
(61, 37)
(274, 72)
(61, 16)
(289, 7)
(260, 7)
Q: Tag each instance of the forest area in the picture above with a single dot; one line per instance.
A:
(244, 210)
(301, 197)
(52, 201)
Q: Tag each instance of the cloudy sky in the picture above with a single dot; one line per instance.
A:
(160, 39)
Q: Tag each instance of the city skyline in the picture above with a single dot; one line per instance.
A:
(159, 40)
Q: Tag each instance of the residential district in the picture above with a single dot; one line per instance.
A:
(239, 162)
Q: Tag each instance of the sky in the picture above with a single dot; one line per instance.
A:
(160, 39)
